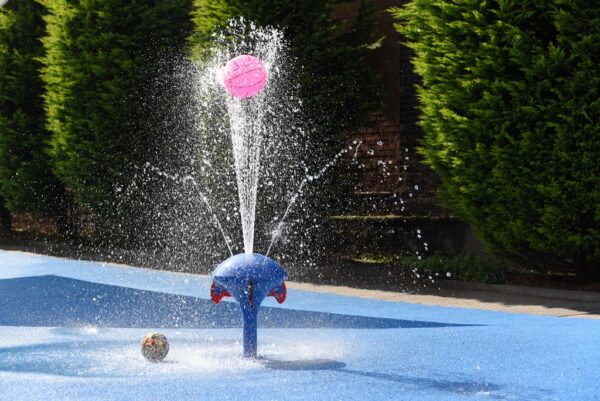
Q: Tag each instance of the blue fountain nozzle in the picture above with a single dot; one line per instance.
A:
(249, 265)
(235, 273)
(249, 278)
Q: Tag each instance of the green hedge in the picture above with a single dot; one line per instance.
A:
(510, 107)
(26, 180)
(102, 59)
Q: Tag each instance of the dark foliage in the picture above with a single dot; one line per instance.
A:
(26, 180)
(101, 62)
(511, 111)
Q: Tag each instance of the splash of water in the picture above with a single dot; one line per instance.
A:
(308, 178)
(223, 168)
(247, 140)
(188, 179)
(251, 122)
(249, 126)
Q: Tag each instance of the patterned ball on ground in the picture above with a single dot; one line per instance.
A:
(155, 347)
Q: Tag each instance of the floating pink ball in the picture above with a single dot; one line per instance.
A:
(244, 76)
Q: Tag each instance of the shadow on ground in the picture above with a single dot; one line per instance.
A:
(464, 387)
(65, 302)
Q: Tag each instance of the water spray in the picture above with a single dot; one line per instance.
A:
(249, 277)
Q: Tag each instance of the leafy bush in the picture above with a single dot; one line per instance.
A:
(510, 107)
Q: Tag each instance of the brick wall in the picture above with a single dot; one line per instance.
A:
(27, 222)
(398, 209)
(394, 179)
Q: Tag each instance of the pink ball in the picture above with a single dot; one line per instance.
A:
(244, 76)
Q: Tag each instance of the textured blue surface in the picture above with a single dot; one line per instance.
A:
(70, 330)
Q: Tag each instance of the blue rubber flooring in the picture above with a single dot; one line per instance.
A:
(70, 330)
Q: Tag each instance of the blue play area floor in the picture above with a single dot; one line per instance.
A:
(71, 330)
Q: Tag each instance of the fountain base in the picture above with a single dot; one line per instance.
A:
(249, 278)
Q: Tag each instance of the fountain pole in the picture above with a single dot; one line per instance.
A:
(250, 316)
(249, 278)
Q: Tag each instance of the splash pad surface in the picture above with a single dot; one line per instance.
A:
(70, 330)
